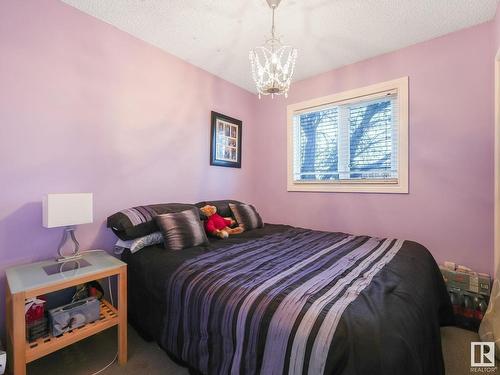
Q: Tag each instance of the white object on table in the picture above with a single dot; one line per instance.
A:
(67, 210)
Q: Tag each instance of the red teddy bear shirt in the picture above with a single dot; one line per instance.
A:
(216, 222)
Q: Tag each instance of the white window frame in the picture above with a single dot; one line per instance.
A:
(399, 185)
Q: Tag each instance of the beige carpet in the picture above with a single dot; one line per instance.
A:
(456, 351)
(93, 353)
(146, 358)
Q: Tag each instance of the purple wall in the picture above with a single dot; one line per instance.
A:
(450, 205)
(496, 22)
(85, 107)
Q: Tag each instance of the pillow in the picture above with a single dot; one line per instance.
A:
(247, 216)
(221, 205)
(139, 221)
(139, 243)
(182, 229)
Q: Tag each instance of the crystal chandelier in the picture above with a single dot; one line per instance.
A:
(273, 63)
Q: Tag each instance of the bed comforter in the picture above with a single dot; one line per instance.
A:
(295, 301)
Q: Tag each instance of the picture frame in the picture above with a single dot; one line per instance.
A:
(225, 141)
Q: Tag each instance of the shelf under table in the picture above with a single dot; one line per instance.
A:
(108, 318)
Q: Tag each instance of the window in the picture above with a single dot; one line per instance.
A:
(352, 141)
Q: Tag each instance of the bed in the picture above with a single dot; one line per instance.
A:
(285, 300)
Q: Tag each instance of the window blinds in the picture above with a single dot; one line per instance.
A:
(352, 140)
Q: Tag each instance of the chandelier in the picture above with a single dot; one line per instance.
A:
(273, 63)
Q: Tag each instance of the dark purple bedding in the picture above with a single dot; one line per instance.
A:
(287, 300)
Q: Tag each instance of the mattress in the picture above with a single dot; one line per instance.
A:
(289, 300)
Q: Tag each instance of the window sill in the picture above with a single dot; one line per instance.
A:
(395, 187)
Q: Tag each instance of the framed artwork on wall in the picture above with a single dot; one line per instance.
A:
(225, 141)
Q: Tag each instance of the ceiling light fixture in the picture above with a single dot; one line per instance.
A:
(273, 63)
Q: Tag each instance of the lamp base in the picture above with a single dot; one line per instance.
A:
(273, 3)
(69, 258)
(68, 238)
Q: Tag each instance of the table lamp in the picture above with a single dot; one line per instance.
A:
(67, 210)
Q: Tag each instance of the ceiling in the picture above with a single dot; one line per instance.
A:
(216, 35)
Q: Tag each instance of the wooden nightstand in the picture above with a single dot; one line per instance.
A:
(31, 280)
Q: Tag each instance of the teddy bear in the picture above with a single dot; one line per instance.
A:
(217, 225)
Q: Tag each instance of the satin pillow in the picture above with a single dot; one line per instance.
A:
(182, 229)
(246, 215)
(139, 243)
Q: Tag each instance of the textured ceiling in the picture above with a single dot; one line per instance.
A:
(216, 35)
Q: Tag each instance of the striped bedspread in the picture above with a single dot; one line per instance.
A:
(269, 305)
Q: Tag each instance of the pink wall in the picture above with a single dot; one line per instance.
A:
(86, 107)
(450, 205)
(496, 23)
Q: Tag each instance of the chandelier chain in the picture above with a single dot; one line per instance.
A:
(273, 64)
(272, 27)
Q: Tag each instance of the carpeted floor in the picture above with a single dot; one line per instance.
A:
(93, 353)
(146, 358)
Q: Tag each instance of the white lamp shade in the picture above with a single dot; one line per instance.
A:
(61, 210)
